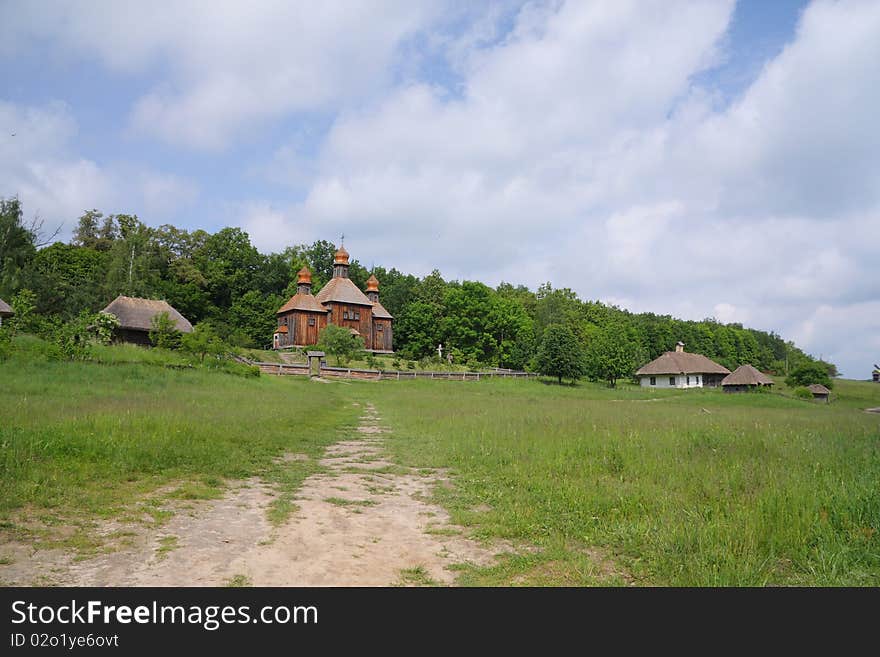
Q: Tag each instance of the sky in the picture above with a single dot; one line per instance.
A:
(699, 159)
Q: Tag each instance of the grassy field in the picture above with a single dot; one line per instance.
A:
(656, 487)
(87, 440)
(592, 485)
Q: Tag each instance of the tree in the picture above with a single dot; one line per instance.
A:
(17, 246)
(613, 353)
(808, 373)
(202, 342)
(23, 305)
(164, 333)
(341, 343)
(560, 354)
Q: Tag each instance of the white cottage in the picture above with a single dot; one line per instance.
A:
(680, 369)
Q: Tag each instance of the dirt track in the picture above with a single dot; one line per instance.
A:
(362, 522)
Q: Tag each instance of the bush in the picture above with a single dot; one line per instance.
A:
(340, 343)
(809, 373)
(410, 365)
(164, 333)
(803, 393)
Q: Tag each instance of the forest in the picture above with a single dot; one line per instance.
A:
(223, 280)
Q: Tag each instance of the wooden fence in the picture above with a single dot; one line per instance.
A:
(282, 369)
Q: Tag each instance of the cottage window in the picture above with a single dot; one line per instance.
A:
(653, 380)
(344, 314)
(689, 380)
(672, 380)
(357, 315)
(698, 379)
(311, 321)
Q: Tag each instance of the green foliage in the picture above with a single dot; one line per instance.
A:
(104, 325)
(222, 277)
(17, 246)
(809, 373)
(202, 342)
(24, 303)
(163, 332)
(612, 354)
(340, 343)
(560, 354)
(802, 393)
(74, 337)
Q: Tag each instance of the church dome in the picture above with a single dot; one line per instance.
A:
(304, 276)
(372, 284)
(341, 257)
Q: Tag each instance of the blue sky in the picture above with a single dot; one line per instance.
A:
(692, 158)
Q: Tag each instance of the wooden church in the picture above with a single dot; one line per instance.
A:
(340, 302)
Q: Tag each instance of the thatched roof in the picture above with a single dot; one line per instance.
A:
(301, 301)
(137, 314)
(5, 309)
(681, 362)
(746, 375)
(342, 290)
(818, 389)
(380, 312)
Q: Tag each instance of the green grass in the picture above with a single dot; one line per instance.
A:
(416, 576)
(89, 440)
(238, 581)
(695, 488)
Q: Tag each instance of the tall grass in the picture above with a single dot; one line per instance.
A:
(695, 488)
(91, 437)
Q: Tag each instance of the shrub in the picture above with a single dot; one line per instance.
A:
(340, 343)
(164, 333)
(808, 373)
(410, 365)
(803, 393)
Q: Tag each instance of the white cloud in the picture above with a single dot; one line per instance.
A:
(575, 147)
(229, 66)
(580, 151)
(39, 166)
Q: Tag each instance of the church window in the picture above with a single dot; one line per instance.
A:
(311, 321)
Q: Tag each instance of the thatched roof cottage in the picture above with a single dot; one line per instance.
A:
(136, 316)
(745, 378)
(680, 369)
(819, 391)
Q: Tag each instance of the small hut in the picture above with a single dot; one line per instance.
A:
(820, 392)
(875, 375)
(5, 311)
(745, 378)
(136, 318)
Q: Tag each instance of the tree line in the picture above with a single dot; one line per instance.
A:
(223, 280)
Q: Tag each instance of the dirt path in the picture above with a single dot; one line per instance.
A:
(362, 522)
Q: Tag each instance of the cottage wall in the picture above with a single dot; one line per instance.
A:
(678, 381)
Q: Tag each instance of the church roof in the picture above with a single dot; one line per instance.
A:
(681, 362)
(380, 312)
(300, 301)
(342, 290)
(137, 314)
